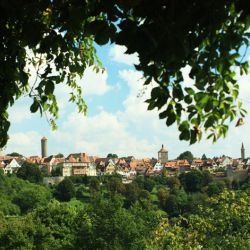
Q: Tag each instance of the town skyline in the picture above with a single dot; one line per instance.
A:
(117, 120)
(45, 152)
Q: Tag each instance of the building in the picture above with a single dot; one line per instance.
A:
(242, 152)
(78, 168)
(44, 146)
(110, 167)
(157, 167)
(10, 166)
(163, 155)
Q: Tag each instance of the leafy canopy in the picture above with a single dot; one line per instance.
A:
(56, 38)
(187, 155)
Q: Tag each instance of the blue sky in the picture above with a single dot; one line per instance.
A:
(117, 119)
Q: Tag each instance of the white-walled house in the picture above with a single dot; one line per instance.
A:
(157, 167)
(226, 162)
(10, 166)
(78, 168)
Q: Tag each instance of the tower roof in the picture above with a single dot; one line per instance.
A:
(163, 150)
(44, 138)
(242, 146)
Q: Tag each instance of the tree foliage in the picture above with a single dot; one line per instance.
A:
(56, 39)
(65, 190)
(30, 172)
(112, 215)
(110, 155)
(223, 223)
(187, 155)
(204, 157)
(15, 154)
(18, 195)
(31, 197)
(192, 181)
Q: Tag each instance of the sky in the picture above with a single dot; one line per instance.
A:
(117, 120)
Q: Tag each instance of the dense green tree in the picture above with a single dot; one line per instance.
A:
(79, 179)
(31, 197)
(81, 192)
(31, 172)
(18, 194)
(7, 207)
(60, 35)
(192, 181)
(139, 181)
(207, 177)
(94, 184)
(146, 182)
(235, 184)
(45, 171)
(117, 228)
(131, 194)
(221, 223)
(149, 184)
(59, 155)
(194, 200)
(215, 187)
(62, 220)
(56, 171)
(24, 233)
(204, 157)
(173, 182)
(115, 185)
(162, 195)
(1, 174)
(187, 155)
(65, 190)
(176, 202)
(110, 155)
(15, 154)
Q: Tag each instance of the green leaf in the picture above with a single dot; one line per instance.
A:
(185, 135)
(193, 136)
(188, 99)
(49, 88)
(171, 119)
(177, 92)
(209, 122)
(163, 114)
(155, 92)
(34, 107)
(151, 106)
(190, 91)
(184, 126)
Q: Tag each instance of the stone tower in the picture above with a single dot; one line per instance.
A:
(163, 155)
(44, 141)
(242, 152)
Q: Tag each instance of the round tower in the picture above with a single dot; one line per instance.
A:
(44, 141)
(163, 155)
(242, 151)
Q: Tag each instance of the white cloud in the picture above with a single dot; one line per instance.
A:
(136, 113)
(100, 134)
(133, 131)
(117, 54)
(130, 131)
(25, 143)
(94, 83)
(20, 111)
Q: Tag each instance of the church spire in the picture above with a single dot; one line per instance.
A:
(242, 151)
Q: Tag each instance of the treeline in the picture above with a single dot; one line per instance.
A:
(190, 211)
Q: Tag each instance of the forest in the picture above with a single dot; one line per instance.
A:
(191, 211)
